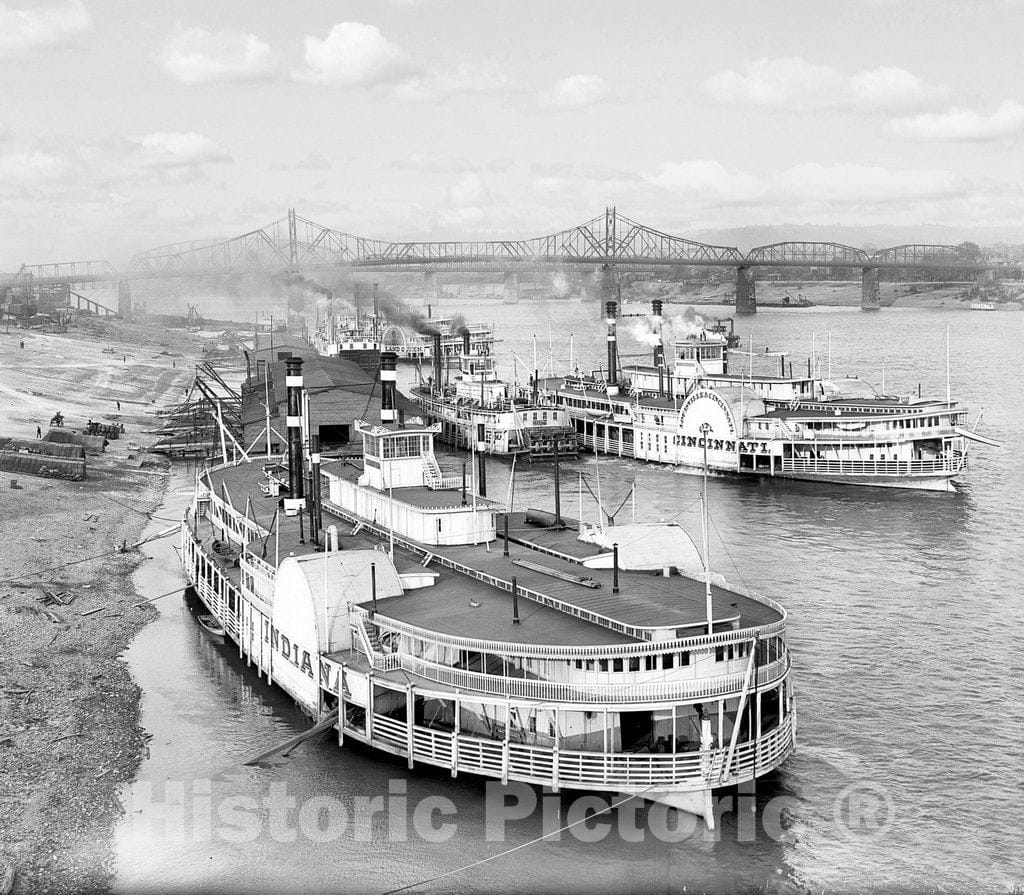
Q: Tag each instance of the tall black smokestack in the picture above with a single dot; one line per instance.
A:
(613, 354)
(376, 313)
(659, 346)
(388, 375)
(465, 342)
(293, 383)
(438, 384)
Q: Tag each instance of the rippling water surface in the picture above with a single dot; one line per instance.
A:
(906, 613)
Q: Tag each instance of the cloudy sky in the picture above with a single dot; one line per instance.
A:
(126, 125)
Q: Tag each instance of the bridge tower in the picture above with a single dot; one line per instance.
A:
(433, 295)
(869, 289)
(124, 299)
(293, 240)
(511, 287)
(746, 294)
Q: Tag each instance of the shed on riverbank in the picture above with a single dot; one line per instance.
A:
(93, 444)
(42, 458)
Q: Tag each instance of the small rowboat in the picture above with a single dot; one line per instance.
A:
(211, 626)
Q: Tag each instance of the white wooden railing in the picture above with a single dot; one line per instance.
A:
(948, 465)
(591, 770)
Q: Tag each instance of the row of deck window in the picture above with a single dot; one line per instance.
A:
(662, 662)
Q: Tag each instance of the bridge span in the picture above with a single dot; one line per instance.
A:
(609, 243)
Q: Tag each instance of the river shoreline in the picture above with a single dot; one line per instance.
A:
(70, 708)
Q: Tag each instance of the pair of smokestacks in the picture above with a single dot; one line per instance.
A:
(659, 346)
(438, 358)
(293, 382)
(611, 310)
(296, 468)
(296, 473)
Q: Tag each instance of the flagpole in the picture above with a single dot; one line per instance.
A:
(947, 366)
(705, 430)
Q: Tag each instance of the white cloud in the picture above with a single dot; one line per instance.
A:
(353, 55)
(25, 30)
(468, 191)
(196, 56)
(861, 184)
(889, 87)
(703, 180)
(810, 191)
(960, 125)
(772, 82)
(465, 79)
(575, 92)
(431, 163)
(172, 149)
(32, 167)
(798, 85)
(314, 161)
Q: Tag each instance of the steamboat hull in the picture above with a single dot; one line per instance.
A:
(766, 460)
(944, 482)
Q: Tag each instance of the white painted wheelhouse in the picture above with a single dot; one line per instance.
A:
(443, 629)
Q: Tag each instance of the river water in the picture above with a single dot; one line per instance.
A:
(905, 616)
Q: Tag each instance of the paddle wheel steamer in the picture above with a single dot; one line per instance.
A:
(436, 625)
(774, 424)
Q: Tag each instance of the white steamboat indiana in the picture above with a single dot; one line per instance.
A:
(514, 646)
(769, 424)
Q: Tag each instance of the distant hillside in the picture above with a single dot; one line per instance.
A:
(860, 237)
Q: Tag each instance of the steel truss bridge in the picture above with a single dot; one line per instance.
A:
(610, 241)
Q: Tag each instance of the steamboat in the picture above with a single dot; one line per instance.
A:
(696, 411)
(433, 624)
(480, 412)
(362, 337)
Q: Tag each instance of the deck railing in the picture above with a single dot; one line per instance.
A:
(869, 435)
(610, 650)
(590, 770)
(944, 465)
(606, 445)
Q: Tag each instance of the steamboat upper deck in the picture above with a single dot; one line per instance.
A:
(563, 601)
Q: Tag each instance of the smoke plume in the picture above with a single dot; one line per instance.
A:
(673, 329)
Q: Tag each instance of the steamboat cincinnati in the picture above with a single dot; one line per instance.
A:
(404, 612)
(696, 410)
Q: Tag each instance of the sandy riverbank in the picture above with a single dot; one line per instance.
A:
(69, 731)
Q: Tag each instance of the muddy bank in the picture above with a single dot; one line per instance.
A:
(69, 732)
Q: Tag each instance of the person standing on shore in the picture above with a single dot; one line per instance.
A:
(39, 431)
